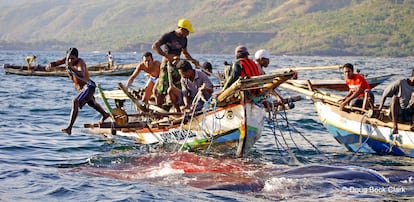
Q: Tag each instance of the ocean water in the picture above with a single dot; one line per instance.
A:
(295, 160)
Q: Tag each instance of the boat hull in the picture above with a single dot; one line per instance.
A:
(358, 133)
(94, 70)
(216, 131)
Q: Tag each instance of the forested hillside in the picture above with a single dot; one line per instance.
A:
(291, 27)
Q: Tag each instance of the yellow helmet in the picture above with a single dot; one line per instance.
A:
(186, 24)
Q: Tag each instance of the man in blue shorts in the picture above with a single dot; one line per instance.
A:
(78, 73)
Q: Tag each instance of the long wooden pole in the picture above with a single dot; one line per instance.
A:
(318, 95)
(329, 67)
(243, 126)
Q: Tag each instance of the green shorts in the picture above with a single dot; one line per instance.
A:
(163, 82)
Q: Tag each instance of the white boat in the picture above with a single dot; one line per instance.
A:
(227, 128)
(360, 130)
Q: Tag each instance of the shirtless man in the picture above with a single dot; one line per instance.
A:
(78, 73)
(150, 66)
(175, 44)
(402, 101)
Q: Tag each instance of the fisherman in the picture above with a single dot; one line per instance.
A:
(29, 60)
(110, 60)
(358, 88)
(402, 101)
(78, 73)
(175, 43)
(151, 67)
(243, 66)
(192, 82)
(262, 59)
(207, 68)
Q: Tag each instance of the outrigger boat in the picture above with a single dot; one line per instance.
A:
(231, 124)
(358, 129)
(97, 69)
(333, 84)
(339, 84)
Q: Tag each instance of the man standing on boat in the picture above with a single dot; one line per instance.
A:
(262, 59)
(31, 59)
(358, 88)
(78, 73)
(151, 67)
(194, 84)
(402, 102)
(110, 60)
(175, 43)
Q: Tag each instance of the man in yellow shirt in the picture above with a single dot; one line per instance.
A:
(29, 60)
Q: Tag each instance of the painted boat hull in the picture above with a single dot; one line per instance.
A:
(216, 131)
(359, 133)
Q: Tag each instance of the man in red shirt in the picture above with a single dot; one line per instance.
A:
(357, 85)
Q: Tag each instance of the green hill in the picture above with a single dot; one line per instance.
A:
(294, 27)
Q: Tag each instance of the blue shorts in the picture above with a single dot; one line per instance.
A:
(86, 95)
(358, 102)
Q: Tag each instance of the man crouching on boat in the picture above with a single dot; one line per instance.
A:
(78, 73)
(358, 87)
(402, 103)
(194, 83)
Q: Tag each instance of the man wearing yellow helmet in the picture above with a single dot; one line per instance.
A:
(175, 43)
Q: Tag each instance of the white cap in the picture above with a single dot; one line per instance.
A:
(262, 53)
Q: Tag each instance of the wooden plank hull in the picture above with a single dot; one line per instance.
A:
(216, 131)
(361, 134)
(356, 130)
(231, 127)
(94, 70)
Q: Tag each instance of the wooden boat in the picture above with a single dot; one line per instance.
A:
(357, 129)
(231, 124)
(97, 69)
(339, 84)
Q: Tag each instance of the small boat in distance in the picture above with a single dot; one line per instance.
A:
(96, 69)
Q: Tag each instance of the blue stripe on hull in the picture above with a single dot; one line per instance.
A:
(353, 142)
(234, 136)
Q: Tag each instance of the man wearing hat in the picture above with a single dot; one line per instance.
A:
(175, 43)
(242, 67)
(262, 59)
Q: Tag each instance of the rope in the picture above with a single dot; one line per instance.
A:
(194, 104)
(274, 118)
(214, 123)
(360, 132)
(290, 127)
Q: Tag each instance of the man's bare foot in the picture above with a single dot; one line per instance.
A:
(104, 118)
(411, 127)
(67, 131)
(394, 130)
